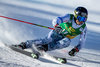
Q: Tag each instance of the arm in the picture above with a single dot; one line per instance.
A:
(81, 43)
(59, 20)
(82, 39)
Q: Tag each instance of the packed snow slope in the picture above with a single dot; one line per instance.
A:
(43, 12)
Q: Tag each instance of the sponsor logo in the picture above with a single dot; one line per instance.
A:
(72, 29)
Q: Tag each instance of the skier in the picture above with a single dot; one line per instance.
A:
(66, 28)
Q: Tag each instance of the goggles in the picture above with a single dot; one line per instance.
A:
(80, 18)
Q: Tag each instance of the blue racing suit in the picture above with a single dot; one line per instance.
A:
(55, 40)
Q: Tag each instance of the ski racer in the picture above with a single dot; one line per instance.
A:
(66, 28)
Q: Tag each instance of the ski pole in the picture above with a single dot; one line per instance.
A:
(27, 22)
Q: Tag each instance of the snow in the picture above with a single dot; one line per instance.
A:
(42, 12)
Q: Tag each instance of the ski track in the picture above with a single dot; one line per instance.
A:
(36, 11)
(10, 58)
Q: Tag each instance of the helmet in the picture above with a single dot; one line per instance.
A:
(81, 14)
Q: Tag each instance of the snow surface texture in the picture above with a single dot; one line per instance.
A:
(42, 12)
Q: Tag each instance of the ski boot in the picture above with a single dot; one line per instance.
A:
(39, 49)
(20, 46)
(42, 47)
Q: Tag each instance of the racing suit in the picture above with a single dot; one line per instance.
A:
(56, 40)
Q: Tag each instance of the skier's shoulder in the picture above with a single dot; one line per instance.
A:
(67, 17)
(84, 27)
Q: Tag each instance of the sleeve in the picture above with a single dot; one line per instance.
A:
(61, 19)
(82, 39)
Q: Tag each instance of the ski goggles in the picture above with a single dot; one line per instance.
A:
(80, 18)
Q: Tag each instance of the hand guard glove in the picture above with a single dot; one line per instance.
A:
(73, 51)
(58, 29)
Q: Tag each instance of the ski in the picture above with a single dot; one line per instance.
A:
(36, 55)
(30, 54)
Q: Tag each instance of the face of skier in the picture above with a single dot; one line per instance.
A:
(79, 23)
(80, 20)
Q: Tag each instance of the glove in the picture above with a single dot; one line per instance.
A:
(74, 51)
(58, 29)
